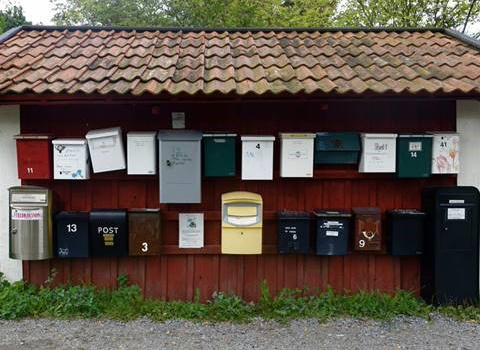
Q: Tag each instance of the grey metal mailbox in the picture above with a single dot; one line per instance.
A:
(179, 162)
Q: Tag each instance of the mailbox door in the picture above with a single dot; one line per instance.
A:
(219, 155)
(241, 241)
(71, 162)
(72, 235)
(293, 235)
(257, 160)
(332, 236)
(379, 154)
(108, 233)
(296, 157)
(141, 153)
(180, 178)
(367, 233)
(414, 157)
(446, 154)
(144, 233)
(34, 159)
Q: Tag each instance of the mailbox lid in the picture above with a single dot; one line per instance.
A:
(26, 194)
(180, 135)
(333, 213)
(367, 211)
(296, 135)
(241, 196)
(33, 137)
(258, 138)
(72, 234)
(73, 142)
(293, 215)
(337, 147)
(101, 133)
(219, 154)
(103, 243)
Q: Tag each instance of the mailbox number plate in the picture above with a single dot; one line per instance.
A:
(29, 197)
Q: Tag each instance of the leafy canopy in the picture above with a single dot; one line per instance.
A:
(12, 16)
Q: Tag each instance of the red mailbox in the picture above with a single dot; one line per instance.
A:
(34, 156)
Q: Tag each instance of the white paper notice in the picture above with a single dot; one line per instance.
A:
(456, 214)
(178, 120)
(190, 230)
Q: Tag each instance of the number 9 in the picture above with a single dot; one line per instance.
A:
(361, 243)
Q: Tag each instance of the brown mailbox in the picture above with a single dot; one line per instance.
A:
(144, 231)
(368, 229)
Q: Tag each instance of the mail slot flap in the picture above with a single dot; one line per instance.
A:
(73, 142)
(33, 137)
(28, 194)
(337, 141)
(296, 135)
(415, 136)
(219, 134)
(331, 213)
(366, 211)
(180, 135)
(100, 133)
(242, 210)
(240, 196)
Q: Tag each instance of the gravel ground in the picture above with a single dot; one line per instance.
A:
(400, 333)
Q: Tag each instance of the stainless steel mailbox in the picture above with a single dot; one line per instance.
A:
(179, 162)
(30, 223)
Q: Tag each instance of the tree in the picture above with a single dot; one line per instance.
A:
(12, 16)
(196, 13)
(409, 13)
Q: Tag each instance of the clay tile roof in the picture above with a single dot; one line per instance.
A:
(136, 61)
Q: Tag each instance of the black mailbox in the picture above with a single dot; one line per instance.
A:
(109, 232)
(293, 232)
(449, 272)
(71, 234)
(405, 231)
(333, 228)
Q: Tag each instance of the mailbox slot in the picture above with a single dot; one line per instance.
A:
(106, 149)
(34, 156)
(257, 157)
(368, 229)
(333, 229)
(241, 223)
(72, 234)
(144, 231)
(142, 153)
(71, 160)
(180, 173)
(30, 223)
(296, 154)
(108, 232)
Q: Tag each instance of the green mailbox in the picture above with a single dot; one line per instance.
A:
(219, 154)
(337, 147)
(414, 155)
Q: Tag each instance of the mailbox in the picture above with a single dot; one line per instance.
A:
(257, 157)
(72, 234)
(71, 160)
(144, 232)
(379, 153)
(414, 156)
(449, 269)
(180, 174)
(293, 232)
(445, 153)
(219, 154)
(108, 232)
(337, 147)
(34, 156)
(296, 154)
(106, 149)
(405, 231)
(142, 153)
(30, 211)
(332, 229)
(368, 229)
(241, 223)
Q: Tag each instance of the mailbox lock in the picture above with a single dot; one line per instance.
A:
(14, 231)
(169, 163)
(368, 234)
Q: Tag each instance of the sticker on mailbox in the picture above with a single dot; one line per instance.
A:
(332, 233)
(27, 214)
(456, 214)
(414, 146)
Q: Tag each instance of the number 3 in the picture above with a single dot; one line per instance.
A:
(144, 247)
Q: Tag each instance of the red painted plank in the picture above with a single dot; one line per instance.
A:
(177, 277)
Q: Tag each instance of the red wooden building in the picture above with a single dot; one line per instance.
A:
(69, 80)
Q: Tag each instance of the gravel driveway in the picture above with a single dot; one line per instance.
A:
(401, 333)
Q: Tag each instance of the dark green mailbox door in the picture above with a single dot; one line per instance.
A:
(414, 155)
(337, 147)
(219, 149)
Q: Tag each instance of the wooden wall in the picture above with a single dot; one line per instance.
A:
(178, 273)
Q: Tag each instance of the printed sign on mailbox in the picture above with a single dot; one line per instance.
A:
(70, 159)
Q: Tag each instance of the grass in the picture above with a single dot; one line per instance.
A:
(19, 300)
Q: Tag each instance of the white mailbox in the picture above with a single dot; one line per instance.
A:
(142, 153)
(378, 153)
(106, 149)
(445, 153)
(296, 154)
(180, 166)
(70, 159)
(257, 157)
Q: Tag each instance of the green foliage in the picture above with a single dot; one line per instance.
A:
(204, 13)
(12, 16)
(19, 300)
(408, 13)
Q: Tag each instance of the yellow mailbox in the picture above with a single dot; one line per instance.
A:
(241, 223)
